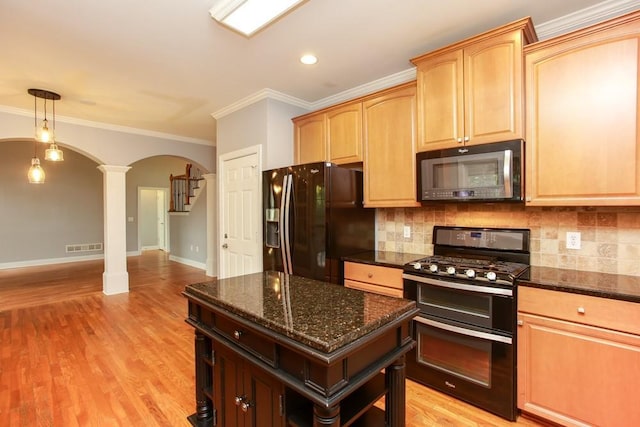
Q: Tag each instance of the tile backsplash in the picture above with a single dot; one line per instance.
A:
(610, 237)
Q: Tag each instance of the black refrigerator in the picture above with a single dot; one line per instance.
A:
(312, 216)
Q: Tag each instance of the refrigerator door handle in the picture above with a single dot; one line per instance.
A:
(285, 215)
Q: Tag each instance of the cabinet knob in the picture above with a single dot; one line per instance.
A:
(237, 334)
(459, 140)
(245, 406)
(520, 323)
(581, 310)
(238, 400)
(466, 139)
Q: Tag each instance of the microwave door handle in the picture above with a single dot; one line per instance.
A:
(507, 168)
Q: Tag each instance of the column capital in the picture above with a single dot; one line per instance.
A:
(112, 168)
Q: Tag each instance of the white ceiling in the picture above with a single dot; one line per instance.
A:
(166, 66)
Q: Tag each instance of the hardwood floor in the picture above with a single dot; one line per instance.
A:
(72, 356)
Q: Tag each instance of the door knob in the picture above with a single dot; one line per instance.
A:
(225, 246)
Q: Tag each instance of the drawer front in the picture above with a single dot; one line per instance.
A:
(376, 289)
(248, 339)
(589, 310)
(375, 274)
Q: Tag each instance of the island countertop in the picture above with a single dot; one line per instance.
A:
(320, 315)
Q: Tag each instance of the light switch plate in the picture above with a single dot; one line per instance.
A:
(407, 231)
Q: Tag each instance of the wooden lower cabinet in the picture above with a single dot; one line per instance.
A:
(373, 278)
(577, 374)
(244, 394)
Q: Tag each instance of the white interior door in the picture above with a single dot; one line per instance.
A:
(240, 206)
(162, 219)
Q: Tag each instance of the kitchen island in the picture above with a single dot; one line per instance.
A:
(275, 349)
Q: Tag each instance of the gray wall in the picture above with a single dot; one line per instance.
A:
(188, 233)
(37, 221)
(152, 172)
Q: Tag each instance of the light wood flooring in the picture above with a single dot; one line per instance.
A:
(72, 356)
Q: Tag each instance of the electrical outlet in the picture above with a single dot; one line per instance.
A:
(573, 240)
(407, 231)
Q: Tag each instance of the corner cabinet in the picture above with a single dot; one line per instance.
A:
(389, 121)
(472, 92)
(582, 139)
(578, 358)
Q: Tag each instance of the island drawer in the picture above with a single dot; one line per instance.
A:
(247, 338)
(374, 274)
(618, 315)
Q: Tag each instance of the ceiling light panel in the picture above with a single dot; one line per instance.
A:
(249, 16)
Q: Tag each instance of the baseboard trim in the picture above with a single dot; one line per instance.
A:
(189, 262)
(49, 261)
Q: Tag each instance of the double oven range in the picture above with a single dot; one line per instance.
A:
(465, 331)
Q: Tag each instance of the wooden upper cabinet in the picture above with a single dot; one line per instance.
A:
(582, 139)
(344, 133)
(472, 92)
(389, 154)
(310, 141)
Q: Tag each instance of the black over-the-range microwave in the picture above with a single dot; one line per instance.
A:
(482, 173)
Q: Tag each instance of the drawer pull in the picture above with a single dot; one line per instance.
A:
(237, 334)
(581, 310)
(369, 275)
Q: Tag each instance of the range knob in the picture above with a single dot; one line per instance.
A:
(491, 275)
(417, 266)
(433, 268)
(470, 273)
(451, 270)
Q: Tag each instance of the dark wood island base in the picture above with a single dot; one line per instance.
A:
(278, 350)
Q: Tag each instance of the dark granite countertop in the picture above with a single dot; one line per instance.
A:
(383, 258)
(612, 286)
(321, 315)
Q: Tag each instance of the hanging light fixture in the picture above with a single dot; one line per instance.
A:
(36, 174)
(53, 153)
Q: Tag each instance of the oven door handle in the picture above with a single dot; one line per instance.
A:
(463, 331)
(459, 286)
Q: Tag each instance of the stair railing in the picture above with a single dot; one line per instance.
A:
(183, 187)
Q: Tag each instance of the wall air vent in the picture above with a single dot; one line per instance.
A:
(84, 247)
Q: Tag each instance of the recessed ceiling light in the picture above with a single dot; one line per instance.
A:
(308, 59)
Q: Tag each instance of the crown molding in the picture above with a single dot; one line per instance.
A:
(111, 127)
(583, 18)
(259, 96)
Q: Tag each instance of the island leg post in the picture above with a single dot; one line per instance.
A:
(395, 399)
(204, 406)
(323, 417)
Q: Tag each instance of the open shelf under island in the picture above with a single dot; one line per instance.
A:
(278, 350)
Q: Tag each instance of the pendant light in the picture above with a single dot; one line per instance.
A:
(53, 153)
(36, 174)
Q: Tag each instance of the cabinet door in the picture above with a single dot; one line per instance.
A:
(228, 384)
(310, 139)
(440, 101)
(265, 398)
(344, 133)
(582, 140)
(390, 160)
(493, 89)
(577, 375)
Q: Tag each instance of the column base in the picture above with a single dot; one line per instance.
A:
(115, 283)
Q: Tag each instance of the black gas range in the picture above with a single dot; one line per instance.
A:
(465, 331)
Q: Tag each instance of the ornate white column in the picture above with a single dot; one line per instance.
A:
(212, 223)
(115, 279)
